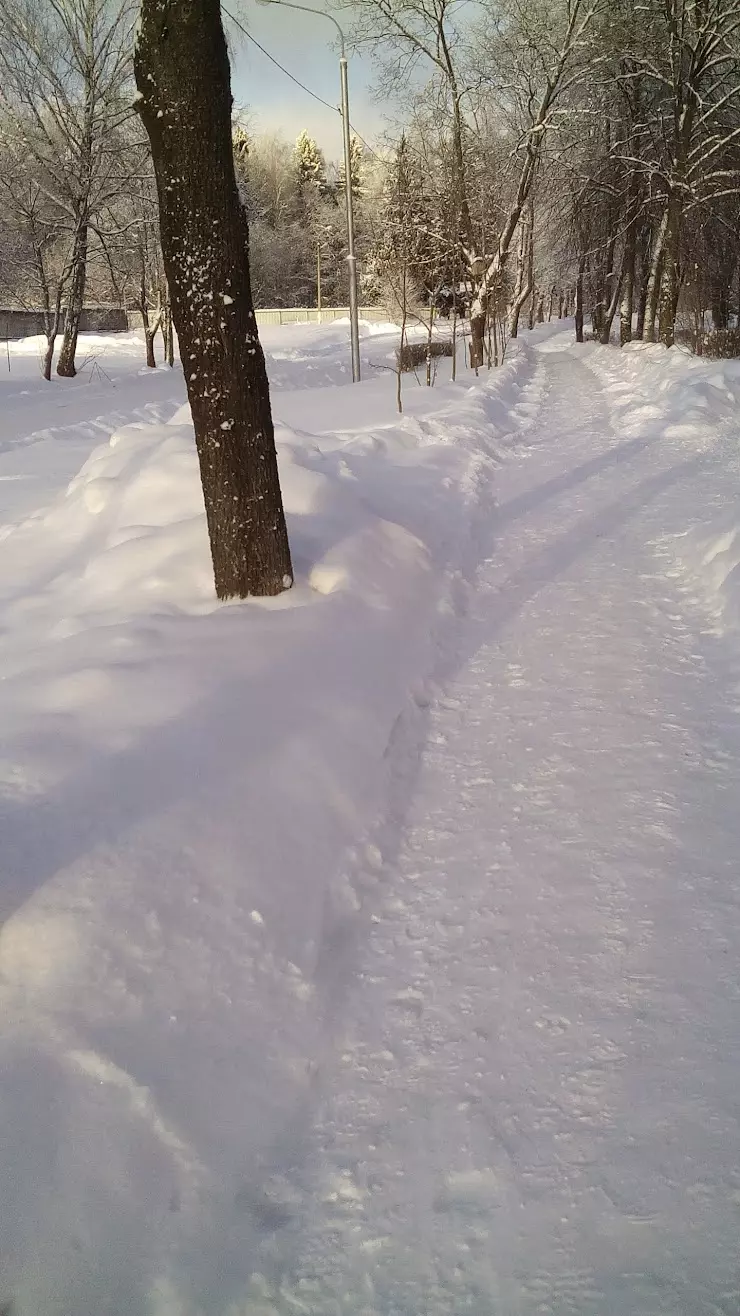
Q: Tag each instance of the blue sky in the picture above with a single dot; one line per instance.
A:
(305, 45)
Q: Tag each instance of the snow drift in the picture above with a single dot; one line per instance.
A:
(673, 395)
(188, 792)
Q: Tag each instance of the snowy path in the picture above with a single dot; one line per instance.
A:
(536, 1107)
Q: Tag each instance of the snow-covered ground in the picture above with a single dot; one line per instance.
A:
(375, 949)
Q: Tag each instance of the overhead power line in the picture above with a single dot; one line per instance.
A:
(277, 63)
(315, 96)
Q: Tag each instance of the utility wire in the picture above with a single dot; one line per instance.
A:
(300, 84)
(277, 64)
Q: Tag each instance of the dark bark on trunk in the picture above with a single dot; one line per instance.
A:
(205, 246)
(49, 356)
(66, 364)
(170, 350)
(721, 310)
(579, 299)
(533, 309)
(478, 340)
(643, 252)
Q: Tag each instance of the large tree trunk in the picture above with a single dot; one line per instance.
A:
(182, 73)
(66, 364)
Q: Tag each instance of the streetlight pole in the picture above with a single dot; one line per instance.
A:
(349, 200)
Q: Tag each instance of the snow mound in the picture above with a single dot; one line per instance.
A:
(187, 796)
(668, 392)
(671, 395)
(709, 558)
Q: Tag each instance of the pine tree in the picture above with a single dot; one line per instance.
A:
(356, 167)
(309, 162)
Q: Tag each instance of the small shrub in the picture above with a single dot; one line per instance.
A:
(722, 343)
(413, 355)
(719, 343)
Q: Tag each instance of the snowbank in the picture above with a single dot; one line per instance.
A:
(657, 393)
(711, 559)
(682, 394)
(187, 799)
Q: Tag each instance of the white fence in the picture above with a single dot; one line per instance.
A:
(311, 314)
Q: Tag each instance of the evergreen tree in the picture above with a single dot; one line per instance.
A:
(357, 168)
(309, 162)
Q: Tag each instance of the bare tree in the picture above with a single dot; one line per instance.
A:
(525, 56)
(183, 79)
(65, 65)
(685, 57)
(35, 264)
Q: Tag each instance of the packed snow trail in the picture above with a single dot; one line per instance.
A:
(536, 1106)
